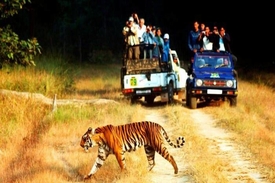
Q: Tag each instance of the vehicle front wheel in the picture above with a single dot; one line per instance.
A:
(187, 98)
(193, 102)
(233, 101)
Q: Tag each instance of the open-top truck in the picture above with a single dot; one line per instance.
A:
(150, 77)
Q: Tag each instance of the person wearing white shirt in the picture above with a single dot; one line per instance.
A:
(141, 29)
(131, 38)
(205, 40)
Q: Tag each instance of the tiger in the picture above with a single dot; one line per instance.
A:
(126, 138)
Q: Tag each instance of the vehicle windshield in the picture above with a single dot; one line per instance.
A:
(206, 61)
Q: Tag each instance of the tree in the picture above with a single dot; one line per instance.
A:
(12, 49)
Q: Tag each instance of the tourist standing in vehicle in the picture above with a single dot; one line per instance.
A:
(149, 42)
(135, 17)
(166, 48)
(141, 28)
(130, 33)
(205, 40)
(193, 43)
(227, 41)
(154, 30)
(215, 39)
(202, 27)
(158, 49)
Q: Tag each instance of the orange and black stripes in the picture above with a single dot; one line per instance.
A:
(126, 138)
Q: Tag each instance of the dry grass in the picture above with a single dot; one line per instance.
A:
(38, 149)
(202, 164)
(253, 121)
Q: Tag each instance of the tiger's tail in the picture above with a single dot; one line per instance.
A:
(180, 140)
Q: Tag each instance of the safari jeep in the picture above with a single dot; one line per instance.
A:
(150, 77)
(213, 77)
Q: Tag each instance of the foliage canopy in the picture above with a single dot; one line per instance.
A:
(12, 49)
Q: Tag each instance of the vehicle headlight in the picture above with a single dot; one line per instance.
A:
(198, 82)
(229, 83)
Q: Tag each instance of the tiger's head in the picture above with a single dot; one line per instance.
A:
(90, 139)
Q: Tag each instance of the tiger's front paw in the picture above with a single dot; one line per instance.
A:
(86, 177)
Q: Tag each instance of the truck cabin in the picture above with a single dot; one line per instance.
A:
(215, 60)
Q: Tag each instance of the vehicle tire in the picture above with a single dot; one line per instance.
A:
(122, 74)
(133, 100)
(170, 93)
(233, 101)
(193, 102)
(207, 101)
(150, 99)
(187, 98)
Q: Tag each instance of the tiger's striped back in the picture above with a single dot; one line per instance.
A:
(128, 137)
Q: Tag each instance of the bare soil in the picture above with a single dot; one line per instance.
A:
(222, 145)
(163, 170)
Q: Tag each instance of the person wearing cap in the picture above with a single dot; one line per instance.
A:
(131, 38)
(166, 48)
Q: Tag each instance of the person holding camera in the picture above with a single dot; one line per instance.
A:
(149, 42)
(202, 27)
(135, 17)
(130, 32)
(227, 41)
(205, 39)
(216, 40)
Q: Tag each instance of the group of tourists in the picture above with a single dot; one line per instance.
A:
(202, 38)
(145, 41)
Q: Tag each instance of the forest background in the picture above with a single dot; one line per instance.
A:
(91, 31)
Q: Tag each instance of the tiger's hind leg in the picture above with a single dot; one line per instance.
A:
(165, 154)
(120, 159)
(150, 153)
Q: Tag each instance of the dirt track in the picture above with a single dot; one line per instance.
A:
(163, 165)
(222, 145)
